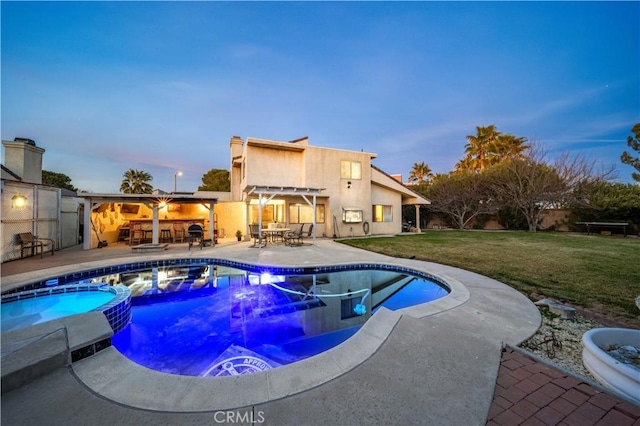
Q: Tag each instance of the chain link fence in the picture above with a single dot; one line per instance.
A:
(44, 214)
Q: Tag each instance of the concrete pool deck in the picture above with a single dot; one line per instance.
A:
(429, 365)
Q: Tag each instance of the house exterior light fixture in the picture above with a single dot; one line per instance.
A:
(163, 202)
(18, 201)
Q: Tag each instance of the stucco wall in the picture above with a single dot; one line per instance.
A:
(323, 171)
(558, 219)
(231, 217)
(273, 167)
(384, 196)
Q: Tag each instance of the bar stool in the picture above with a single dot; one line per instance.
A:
(124, 234)
(137, 234)
(165, 235)
(179, 232)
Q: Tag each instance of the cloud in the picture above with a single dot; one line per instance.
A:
(553, 107)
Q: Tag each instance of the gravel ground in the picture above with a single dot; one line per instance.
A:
(560, 341)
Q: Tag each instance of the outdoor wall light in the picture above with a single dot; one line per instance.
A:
(348, 184)
(163, 202)
(18, 201)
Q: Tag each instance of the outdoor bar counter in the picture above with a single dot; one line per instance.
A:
(164, 226)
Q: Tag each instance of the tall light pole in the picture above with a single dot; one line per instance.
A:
(175, 181)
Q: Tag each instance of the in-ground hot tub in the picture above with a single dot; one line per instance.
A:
(27, 308)
(613, 373)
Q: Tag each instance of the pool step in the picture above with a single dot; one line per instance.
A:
(32, 352)
(26, 360)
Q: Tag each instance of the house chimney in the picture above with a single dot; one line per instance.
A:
(397, 177)
(24, 158)
(236, 147)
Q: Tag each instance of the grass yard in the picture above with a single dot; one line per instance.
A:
(601, 273)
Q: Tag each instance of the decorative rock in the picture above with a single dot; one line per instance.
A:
(569, 333)
(565, 312)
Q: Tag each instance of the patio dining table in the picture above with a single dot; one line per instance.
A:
(272, 233)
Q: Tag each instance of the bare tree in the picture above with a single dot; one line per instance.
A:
(533, 186)
(462, 196)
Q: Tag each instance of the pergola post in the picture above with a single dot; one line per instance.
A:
(212, 225)
(155, 226)
(259, 220)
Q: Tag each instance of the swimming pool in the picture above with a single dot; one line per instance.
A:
(209, 317)
(233, 321)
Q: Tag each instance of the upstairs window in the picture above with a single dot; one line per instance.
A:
(350, 169)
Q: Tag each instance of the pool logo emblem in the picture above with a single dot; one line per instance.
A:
(236, 360)
(240, 365)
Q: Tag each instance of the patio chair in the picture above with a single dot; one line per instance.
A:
(257, 236)
(308, 233)
(294, 237)
(29, 241)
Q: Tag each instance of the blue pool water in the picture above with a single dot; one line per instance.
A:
(35, 310)
(232, 321)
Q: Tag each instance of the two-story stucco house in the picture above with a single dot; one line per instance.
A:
(287, 182)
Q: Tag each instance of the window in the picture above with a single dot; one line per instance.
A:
(267, 214)
(350, 169)
(352, 215)
(303, 213)
(382, 213)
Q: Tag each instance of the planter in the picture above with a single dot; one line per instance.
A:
(611, 373)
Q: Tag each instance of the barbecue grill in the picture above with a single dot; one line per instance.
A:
(196, 235)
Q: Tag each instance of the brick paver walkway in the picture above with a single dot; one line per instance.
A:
(529, 392)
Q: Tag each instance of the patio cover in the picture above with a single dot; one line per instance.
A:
(93, 200)
(267, 193)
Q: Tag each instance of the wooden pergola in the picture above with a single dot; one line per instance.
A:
(94, 200)
(267, 193)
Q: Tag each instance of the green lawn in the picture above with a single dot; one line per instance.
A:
(595, 272)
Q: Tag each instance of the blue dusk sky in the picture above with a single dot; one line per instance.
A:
(162, 86)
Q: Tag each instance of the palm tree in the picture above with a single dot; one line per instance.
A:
(465, 164)
(420, 173)
(509, 147)
(136, 182)
(479, 147)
